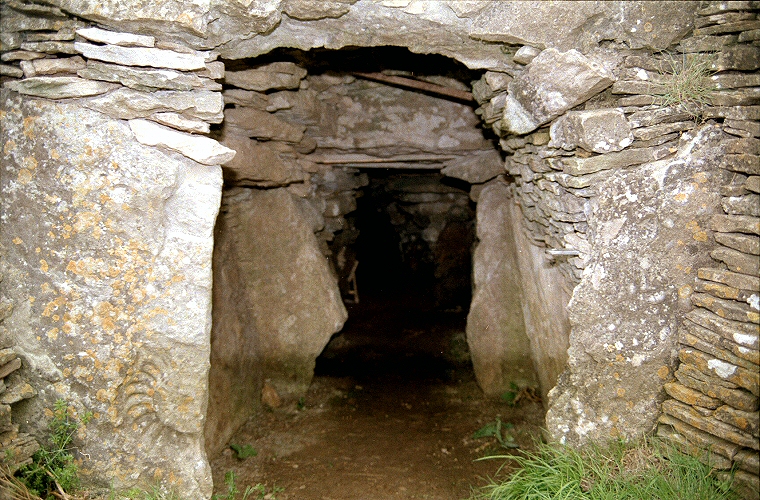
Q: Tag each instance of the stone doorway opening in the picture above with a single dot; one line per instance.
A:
(344, 249)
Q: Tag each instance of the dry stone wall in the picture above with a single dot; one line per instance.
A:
(577, 167)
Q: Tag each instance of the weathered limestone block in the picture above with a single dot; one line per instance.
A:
(742, 242)
(598, 130)
(256, 164)
(748, 421)
(127, 104)
(551, 84)
(262, 125)
(114, 38)
(729, 309)
(499, 346)
(622, 159)
(736, 280)
(38, 67)
(619, 358)
(59, 87)
(108, 260)
(720, 452)
(714, 387)
(146, 79)
(690, 396)
(293, 301)
(476, 168)
(583, 24)
(142, 56)
(310, 10)
(709, 424)
(196, 147)
(748, 379)
(272, 76)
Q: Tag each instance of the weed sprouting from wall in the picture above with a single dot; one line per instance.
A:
(686, 84)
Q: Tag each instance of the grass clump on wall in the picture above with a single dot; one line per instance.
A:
(646, 469)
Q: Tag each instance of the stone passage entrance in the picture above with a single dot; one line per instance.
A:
(351, 184)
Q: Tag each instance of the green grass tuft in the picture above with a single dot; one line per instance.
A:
(686, 84)
(647, 469)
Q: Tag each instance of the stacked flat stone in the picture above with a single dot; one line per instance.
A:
(16, 448)
(167, 93)
(714, 401)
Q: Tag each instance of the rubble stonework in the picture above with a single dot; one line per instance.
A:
(635, 224)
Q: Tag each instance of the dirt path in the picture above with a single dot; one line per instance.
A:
(390, 415)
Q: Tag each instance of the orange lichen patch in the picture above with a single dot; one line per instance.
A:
(697, 232)
(10, 145)
(701, 177)
(24, 176)
(685, 269)
(53, 334)
(54, 154)
(681, 197)
(663, 372)
(53, 305)
(44, 266)
(620, 392)
(30, 163)
(685, 291)
(29, 126)
(17, 241)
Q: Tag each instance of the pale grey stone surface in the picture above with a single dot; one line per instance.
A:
(59, 87)
(127, 104)
(120, 234)
(499, 346)
(141, 56)
(551, 84)
(626, 311)
(293, 299)
(115, 38)
(598, 131)
(202, 149)
(146, 79)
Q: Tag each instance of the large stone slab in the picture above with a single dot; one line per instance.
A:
(127, 104)
(293, 301)
(273, 76)
(141, 56)
(626, 311)
(147, 79)
(108, 259)
(598, 130)
(499, 346)
(256, 164)
(58, 87)
(551, 84)
(566, 25)
(202, 149)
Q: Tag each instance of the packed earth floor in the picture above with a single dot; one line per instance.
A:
(392, 413)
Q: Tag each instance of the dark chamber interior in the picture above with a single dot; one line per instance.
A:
(409, 322)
